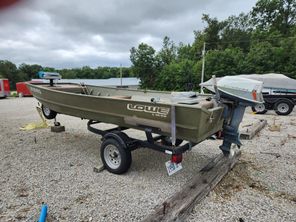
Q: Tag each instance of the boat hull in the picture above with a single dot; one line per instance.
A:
(193, 122)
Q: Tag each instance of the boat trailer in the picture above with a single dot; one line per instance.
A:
(124, 144)
(116, 145)
(165, 118)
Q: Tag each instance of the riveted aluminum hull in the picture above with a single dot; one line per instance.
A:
(133, 109)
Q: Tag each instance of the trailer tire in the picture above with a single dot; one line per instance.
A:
(115, 157)
(48, 113)
(259, 109)
(283, 107)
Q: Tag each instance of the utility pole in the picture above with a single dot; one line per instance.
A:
(203, 66)
(121, 75)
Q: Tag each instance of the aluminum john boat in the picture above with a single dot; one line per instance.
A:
(173, 121)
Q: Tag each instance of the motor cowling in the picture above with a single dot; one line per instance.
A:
(235, 94)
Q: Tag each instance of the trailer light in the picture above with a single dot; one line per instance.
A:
(254, 94)
(176, 158)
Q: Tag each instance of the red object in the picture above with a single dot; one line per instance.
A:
(4, 88)
(7, 3)
(22, 89)
(176, 158)
(254, 94)
(6, 85)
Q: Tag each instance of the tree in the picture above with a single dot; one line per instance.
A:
(263, 58)
(48, 69)
(224, 62)
(289, 57)
(177, 76)
(275, 15)
(168, 53)
(212, 33)
(9, 70)
(237, 32)
(186, 51)
(146, 64)
(30, 70)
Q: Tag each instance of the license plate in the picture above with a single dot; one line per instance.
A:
(172, 167)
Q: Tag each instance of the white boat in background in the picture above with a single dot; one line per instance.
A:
(248, 90)
(279, 91)
(272, 82)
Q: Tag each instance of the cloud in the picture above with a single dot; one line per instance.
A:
(76, 33)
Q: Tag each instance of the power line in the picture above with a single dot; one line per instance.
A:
(251, 40)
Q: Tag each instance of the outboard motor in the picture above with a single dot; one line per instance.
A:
(51, 76)
(235, 94)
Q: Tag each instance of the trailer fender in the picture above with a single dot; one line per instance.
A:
(272, 101)
(120, 137)
(284, 100)
(269, 104)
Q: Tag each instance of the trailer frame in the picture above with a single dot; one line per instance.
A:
(129, 144)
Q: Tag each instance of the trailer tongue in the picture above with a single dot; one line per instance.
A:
(167, 119)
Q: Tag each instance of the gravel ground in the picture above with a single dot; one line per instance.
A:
(57, 168)
(262, 186)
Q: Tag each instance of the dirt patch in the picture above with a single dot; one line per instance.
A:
(82, 199)
(286, 196)
(240, 178)
(22, 192)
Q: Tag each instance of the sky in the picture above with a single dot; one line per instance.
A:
(76, 33)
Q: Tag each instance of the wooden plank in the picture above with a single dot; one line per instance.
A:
(180, 205)
(253, 129)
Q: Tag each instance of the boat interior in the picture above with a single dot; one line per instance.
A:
(184, 98)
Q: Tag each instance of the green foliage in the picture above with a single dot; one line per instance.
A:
(9, 70)
(224, 62)
(262, 58)
(261, 41)
(275, 15)
(177, 76)
(168, 53)
(146, 64)
(30, 70)
(27, 72)
(237, 32)
(212, 32)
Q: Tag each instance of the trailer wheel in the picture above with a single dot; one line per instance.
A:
(259, 109)
(116, 158)
(48, 113)
(283, 107)
(168, 142)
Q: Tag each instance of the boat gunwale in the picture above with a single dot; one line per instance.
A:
(195, 106)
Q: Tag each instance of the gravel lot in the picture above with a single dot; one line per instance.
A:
(57, 168)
